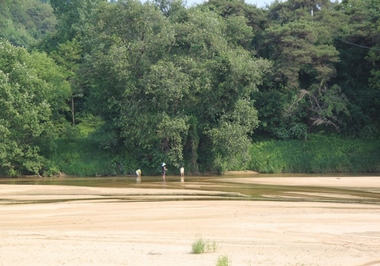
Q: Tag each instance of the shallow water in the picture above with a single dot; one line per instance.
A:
(227, 188)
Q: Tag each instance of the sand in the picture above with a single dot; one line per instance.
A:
(85, 226)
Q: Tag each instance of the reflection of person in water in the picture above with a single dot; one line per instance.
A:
(163, 171)
(182, 171)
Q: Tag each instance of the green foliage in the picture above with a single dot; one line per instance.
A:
(240, 10)
(88, 150)
(58, 89)
(358, 70)
(68, 56)
(24, 23)
(304, 63)
(223, 261)
(27, 101)
(171, 131)
(316, 155)
(82, 157)
(230, 139)
(73, 15)
(173, 86)
(323, 57)
(153, 82)
(88, 124)
(200, 246)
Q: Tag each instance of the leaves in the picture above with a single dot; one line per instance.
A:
(160, 82)
(171, 82)
(24, 23)
(26, 101)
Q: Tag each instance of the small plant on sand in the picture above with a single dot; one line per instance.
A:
(198, 246)
(201, 246)
(223, 261)
(211, 246)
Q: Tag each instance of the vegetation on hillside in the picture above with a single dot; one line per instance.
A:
(99, 88)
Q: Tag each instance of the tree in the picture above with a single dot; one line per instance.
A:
(358, 45)
(168, 85)
(301, 47)
(69, 56)
(28, 100)
(228, 9)
(73, 16)
(24, 23)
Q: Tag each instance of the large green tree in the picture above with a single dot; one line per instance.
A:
(358, 69)
(173, 87)
(300, 44)
(66, 48)
(32, 94)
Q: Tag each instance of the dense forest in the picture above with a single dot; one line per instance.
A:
(96, 87)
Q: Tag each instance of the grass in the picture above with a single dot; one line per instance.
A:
(223, 261)
(319, 154)
(200, 246)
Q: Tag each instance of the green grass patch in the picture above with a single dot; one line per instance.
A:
(319, 154)
(200, 246)
(223, 261)
(83, 157)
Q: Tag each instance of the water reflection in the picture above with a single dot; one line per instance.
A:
(234, 187)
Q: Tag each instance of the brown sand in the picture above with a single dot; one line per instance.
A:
(95, 229)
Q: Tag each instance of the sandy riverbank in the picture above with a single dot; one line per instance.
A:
(98, 230)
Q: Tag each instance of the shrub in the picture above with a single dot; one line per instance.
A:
(201, 246)
(198, 246)
(223, 261)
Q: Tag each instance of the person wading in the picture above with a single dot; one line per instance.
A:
(163, 171)
(138, 173)
(182, 171)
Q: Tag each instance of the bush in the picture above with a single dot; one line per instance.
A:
(198, 246)
(82, 157)
(201, 246)
(223, 261)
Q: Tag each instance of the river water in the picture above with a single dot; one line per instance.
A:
(233, 187)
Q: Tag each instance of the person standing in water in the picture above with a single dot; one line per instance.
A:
(163, 171)
(138, 173)
(182, 171)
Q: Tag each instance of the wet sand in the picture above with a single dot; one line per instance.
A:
(63, 225)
